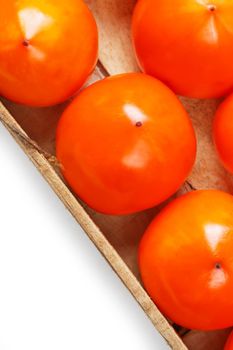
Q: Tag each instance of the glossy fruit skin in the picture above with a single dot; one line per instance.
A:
(125, 144)
(186, 44)
(48, 48)
(186, 263)
(229, 343)
(223, 132)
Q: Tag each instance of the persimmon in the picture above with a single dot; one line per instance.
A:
(223, 132)
(48, 48)
(186, 44)
(185, 259)
(229, 343)
(125, 144)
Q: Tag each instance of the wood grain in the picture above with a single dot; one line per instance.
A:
(208, 172)
(92, 230)
(116, 52)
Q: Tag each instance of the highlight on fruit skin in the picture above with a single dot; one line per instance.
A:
(125, 144)
(185, 260)
(186, 44)
(48, 48)
(223, 132)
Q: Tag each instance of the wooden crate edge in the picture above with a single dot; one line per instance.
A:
(92, 231)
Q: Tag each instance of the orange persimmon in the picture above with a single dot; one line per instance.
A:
(185, 259)
(223, 132)
(48, 48)
(186, 44)
(125, 144)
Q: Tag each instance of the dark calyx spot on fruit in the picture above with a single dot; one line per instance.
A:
(212, 7)
(25, 43)
(218, 266)
(138, 124)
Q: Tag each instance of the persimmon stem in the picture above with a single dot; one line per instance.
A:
(218, 266)
(211, 7)
(25, 42)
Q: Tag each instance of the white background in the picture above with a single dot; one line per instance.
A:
(56, 290)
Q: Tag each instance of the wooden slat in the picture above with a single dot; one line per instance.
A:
(91, 229)
(116, 56)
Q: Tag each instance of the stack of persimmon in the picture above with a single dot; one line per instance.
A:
(126, 143)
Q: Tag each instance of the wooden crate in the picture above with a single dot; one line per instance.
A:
(117, 238)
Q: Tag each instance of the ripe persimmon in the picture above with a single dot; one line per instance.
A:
(48, 48)
(186, 44)
(185, 259)
(223, 132)
(125, 144)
